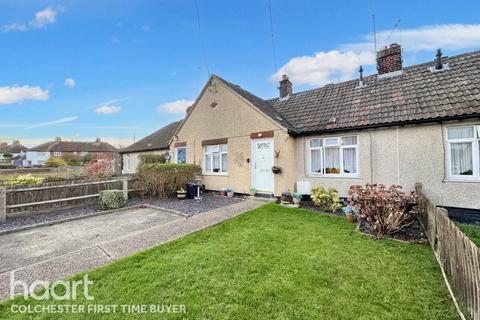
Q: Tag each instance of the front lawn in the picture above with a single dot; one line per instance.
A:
(471, 231)
(274, 263)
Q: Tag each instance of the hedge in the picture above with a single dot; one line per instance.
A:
(112, 199)
(162, 180)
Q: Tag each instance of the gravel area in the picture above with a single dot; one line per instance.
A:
(191, 207)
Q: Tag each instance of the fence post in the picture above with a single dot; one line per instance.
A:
(3, 203)
(125, 187)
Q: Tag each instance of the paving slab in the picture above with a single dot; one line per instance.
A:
(59, 251)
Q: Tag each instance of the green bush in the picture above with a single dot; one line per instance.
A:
(326, 199)
(54, 162)
(151, 158)
(112, 199)
(162, 180)
(25, 180)
(73, 159)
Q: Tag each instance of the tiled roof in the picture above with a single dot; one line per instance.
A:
(156, 141)
(13, 148)
(74, 146)
(261, 104)
(417, 95)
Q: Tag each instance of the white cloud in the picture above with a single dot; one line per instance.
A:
(426, 38)
(40, 20)
(20, 93)
(342, 64)
(108, 109)
(69, 82)
(175, 107)
(324, 67)
(52, 123)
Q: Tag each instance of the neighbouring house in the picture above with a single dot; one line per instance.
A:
(156, 143)
(401, 126)
(12, 154)
(38, 155)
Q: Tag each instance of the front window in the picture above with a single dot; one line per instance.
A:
(57, 154)
(464, 152)
(216, 159)
(182, 155)
(334, 155)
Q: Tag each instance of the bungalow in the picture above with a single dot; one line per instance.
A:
(400, 126)
(156, 143)
(40, 154)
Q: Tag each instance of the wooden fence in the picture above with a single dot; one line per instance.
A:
(457, 254)
(21, 200)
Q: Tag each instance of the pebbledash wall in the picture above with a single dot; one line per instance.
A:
(404, 155)
(220, 113)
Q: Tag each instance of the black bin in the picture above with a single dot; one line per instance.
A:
(191, 190)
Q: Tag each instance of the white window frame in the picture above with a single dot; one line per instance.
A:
(338, 145)
(475, 153)
(220, 153)
(57, 153)
(176, 154)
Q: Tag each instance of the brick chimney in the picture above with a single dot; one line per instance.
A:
(98, 140)
(389, 59)
(285, 87)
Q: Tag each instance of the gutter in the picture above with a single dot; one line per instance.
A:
(385, 125)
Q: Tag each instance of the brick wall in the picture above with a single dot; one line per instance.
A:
(389, 59)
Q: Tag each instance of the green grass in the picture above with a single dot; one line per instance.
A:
(274, 263)
(472, 231)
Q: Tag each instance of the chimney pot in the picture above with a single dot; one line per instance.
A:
(285, 87)
(98, 140)
(438, 61)
(58, 139)
(389, 59)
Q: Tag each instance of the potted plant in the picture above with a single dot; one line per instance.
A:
(350, 214)
(223, 193)
(229, 192)
(252, 191)
(286, 197)
(297, 198)
(181, 194)
(276, 170)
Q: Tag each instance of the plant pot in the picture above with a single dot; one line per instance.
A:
(287, 199)
(223, 193)
(297, 200)
(230, 194)
(181, 195)
(276, 170)
(351, 218)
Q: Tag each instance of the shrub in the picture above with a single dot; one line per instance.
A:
(162, 180)
(112, 199)
(25, 180)
(54, 162)
(151, 158)
(73, 159)
(386, 210)
(101, 168)
(326, 199)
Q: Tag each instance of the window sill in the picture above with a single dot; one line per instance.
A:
(224, 174)
(476, 180)
(331, 176)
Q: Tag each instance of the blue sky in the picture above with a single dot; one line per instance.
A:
(119, 69)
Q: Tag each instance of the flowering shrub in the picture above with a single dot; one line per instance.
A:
(112, 199)
(326, 199)
(101, 168)
(387, 210)
(25, 180)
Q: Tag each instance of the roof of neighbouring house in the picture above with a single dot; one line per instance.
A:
(416, 95)
(74, 146)
(13, 148)
(159, 140)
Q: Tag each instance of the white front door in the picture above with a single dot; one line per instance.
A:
(262, 163)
